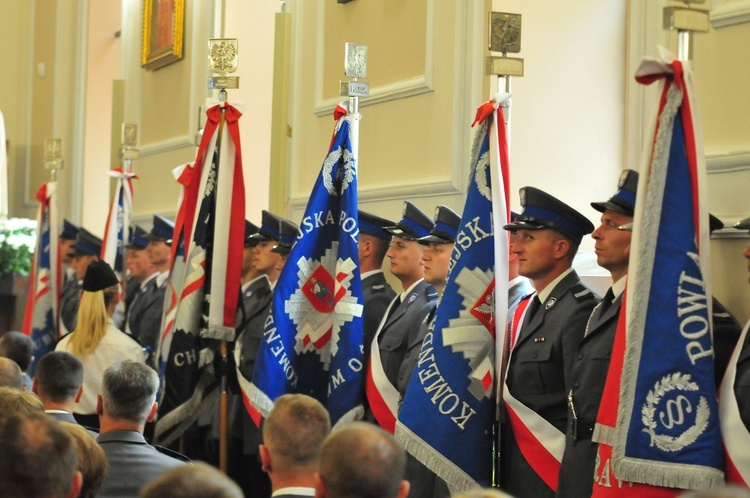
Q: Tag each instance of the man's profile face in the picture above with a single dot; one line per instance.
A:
(535, 250)
(264, 260)
(406, 259)
(612, 245)
(436, 259)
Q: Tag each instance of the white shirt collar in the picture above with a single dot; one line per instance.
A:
(544, 294)
(619, 286)
(408, 291)
(294, 490)
(371, 272)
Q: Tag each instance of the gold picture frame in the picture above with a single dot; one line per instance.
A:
(163, 28)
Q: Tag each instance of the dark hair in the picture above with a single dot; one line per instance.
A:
(59, 375)
(18, 347)
(38, 457)
(186, 481)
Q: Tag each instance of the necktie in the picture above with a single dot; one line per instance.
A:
(534, 306)
(606, 302)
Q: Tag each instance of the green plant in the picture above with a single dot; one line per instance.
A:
(17, 244)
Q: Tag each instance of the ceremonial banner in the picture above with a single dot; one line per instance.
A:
(447, 415)
(213, 227)
(312, 342)
(40, 319)
(659, 414)
(118, 221)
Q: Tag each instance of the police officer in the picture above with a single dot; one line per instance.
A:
(547, 327)
(592, 356)
(742, 380)
(86, 249)
(377, 292)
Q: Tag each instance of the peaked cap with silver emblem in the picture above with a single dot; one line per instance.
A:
(413, 225)
(445, 229)
(623, 201)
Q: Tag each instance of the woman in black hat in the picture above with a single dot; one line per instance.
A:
(96, 341)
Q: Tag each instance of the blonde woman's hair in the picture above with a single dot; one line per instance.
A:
(92, 321)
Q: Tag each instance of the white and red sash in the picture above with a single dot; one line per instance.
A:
(736, 435)
(541, 443)
(382, 396)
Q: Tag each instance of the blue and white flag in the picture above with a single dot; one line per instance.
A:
(449, 409)
(118, 221)
(40, 320)
(658, 423)
(312, 342)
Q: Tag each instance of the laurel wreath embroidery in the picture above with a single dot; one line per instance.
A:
(666, 384)
(332, 159)
(480, 176)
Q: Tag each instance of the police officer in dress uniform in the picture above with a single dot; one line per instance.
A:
(143, 319)
(436, 258)
(377, 292)
(67, 240)
(518, 285)
(86, 249)
(549, 233)
(592, 357)
(274, 240)
(742, 381)
(135, 260)
(409, 308)
(726, 328)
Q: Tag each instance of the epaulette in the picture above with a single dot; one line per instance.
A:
(378, 288)
(172, 453)
(580, 291)
(432, 294)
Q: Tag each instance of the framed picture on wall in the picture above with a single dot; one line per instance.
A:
(163, 27)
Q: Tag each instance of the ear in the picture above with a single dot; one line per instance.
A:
(265, 458)
(561, 247)
(99, 405)
(80, 393)
(403, 490)
(152, 413)
(76, 485)
(320, 486)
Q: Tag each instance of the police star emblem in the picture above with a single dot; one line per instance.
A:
(472, 333)
(322, 303)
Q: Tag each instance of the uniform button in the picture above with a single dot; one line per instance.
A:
(580, 356)
(577, 385)
(535, 355)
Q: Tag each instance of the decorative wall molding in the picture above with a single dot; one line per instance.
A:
(396, 90)
(729, 12)
(728, 160)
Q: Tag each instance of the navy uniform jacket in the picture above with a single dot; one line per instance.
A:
(726, 334)
(377, 294)
(742, 382)
(587, 379)
(394, 333)
(540, 363)
(413, 347)
(145, 314)
(69, 302)
(257, 300)
(133, 463)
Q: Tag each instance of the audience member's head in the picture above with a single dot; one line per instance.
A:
(58, 379)
(18, 347)
(128, 396)
(10, 374)
(361, 460)
(188, 481)
(483, 493)
(293, 434)
(92, 462)
(38, 458)
(16, 402)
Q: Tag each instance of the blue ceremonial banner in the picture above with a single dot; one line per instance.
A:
(41, 308)
(312, 343)
(667, 427)
(118, 221)
(449, 409)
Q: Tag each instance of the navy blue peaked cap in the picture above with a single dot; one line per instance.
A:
(623, 201)
(87, 244)
(269, 228)
(371, 224)
(162, 231)
(541, 210)
(250, 230)
(288, 231)
(414, 225)
(138, 238)
(743, 224)
(446, 227)
(69, 231)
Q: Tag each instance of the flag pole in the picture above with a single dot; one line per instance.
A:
(686, 20)
(222, 59)
(355, 66)
(504, 37)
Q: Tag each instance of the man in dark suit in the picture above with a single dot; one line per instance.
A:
(144, 314)
(293, 435)
(404, 314)
(377, 292)
(86, 249)
(126, 403)
(592, 356)
(546, 330)
(58, 381)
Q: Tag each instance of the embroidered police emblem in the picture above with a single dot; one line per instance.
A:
(550, 303)
(345, 174)
(472, 333)
(322, 303)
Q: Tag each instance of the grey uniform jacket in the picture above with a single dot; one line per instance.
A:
(69, 302)
(587, 379)
(377, 294)
(394, 333)
(742, 382)
(133, 463)
(540, 363)
(413, 347)
(68, 417)
(257, 300)
(145, 313)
